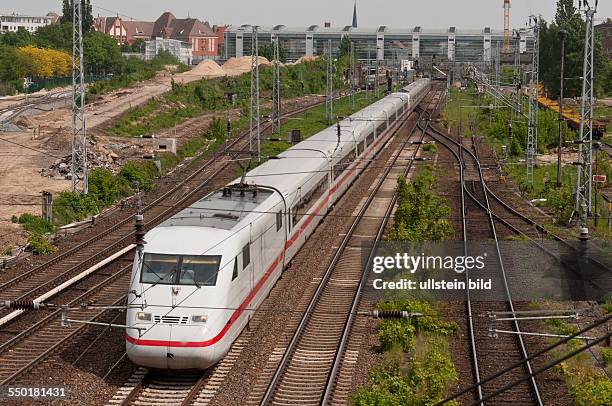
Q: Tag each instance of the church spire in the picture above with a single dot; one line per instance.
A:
(355, 15)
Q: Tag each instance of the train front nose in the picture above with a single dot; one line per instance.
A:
(175, 347)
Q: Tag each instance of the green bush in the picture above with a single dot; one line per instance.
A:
(107, 188)
(421, 215)
(561, 201)
(606, 356)
(431, 148)
(595, 393)
(69, 207)
(38, 245)
(425, 382)
(35, 224)
(143, 172)
(396, 332)
(14, 219)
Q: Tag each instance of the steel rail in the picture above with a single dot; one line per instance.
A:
(328, 392)
(486, 207)
(275, 381)
(53, 316)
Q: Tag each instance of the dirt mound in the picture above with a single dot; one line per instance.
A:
(307, 59)
(207, 68)
(238, 66)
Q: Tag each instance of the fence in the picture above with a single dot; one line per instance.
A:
(50, 83)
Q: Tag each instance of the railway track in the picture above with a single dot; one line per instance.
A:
(308, 371)
(34, 344)
(117, 236)
(7, 114)
(29, 347)
(488, 356)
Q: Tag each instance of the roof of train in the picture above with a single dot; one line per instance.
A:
(292, 167)
(296, 165)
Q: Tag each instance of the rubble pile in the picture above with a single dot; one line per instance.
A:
(101, 158)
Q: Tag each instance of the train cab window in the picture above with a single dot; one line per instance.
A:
(199, 270)
(246, 255)
(166, 269)
(235, 271)
(158, 268)
(279, 220)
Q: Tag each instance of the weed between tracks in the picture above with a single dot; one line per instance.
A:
(417, 367)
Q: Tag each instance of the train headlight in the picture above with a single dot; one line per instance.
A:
(199, 319)
(142, 316)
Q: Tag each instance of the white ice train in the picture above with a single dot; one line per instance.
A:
(203, 272)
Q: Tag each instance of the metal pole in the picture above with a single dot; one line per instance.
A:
(585, 169)
(329, 102)
(252, 100)
(257, 96)
(376, 74)
(562, 34)
(368, 73)
(352, 73)
(276, 104)
(79, 135)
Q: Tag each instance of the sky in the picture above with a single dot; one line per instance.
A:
(371, 13)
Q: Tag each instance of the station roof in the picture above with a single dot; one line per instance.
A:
(341, 30)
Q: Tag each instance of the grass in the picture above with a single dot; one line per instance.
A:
(587, 384)
(417, 367)
(208, 95)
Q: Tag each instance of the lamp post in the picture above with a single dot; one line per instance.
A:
(562, 34)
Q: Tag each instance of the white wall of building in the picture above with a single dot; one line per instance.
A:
(12, 22)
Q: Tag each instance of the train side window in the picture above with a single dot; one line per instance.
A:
(341, 166)
(235, 271)
(360, 148)
(279, 220)
(246, 255)
(370, 139)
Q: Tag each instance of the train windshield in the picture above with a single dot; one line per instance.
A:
(164, 269)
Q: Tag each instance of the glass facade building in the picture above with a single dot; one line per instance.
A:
(452, 45)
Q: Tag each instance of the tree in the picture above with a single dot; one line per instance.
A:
(58, 36)
(267, 51)
(20, 38)
(569, 19)
(86, 10)
(101, 54)
(345, 45)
